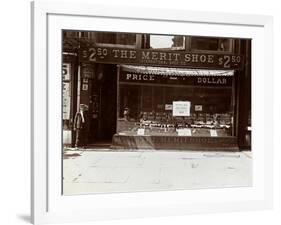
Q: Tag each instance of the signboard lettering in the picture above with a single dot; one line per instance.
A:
(161, 58)
(175, 79)
(211, 80)
(144, 77)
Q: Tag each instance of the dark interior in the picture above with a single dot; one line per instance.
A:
(104, 97)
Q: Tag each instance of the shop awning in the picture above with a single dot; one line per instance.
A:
(151, 70)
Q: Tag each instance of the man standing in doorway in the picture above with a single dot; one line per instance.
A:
(79, 123)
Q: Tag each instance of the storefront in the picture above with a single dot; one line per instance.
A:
(159, 99)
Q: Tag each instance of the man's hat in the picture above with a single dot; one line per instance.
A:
(84, 107)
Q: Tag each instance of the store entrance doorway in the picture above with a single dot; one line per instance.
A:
(104, 107)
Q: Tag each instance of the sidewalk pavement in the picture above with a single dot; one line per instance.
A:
(86, 172)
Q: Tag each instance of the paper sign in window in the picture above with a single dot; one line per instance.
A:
(181, 108)
(213, 133)
(184, 132)
(140, 131)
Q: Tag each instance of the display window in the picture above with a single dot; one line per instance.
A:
(175, 102)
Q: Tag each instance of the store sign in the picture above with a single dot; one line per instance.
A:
(87, 71)
(213, 133)
(66, 101)
(140, 131)
(168, 107)
(181, 108)
(66, 68)
(175, 79)
(198, 107)
(139, 77)
(66, 91)
(184, 132)
(111, 55)
(85, 87)
(212, 80)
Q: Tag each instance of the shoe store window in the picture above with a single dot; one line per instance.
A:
(157, 101)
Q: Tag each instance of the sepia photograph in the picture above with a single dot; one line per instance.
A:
(154, 112)
(143, 111)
